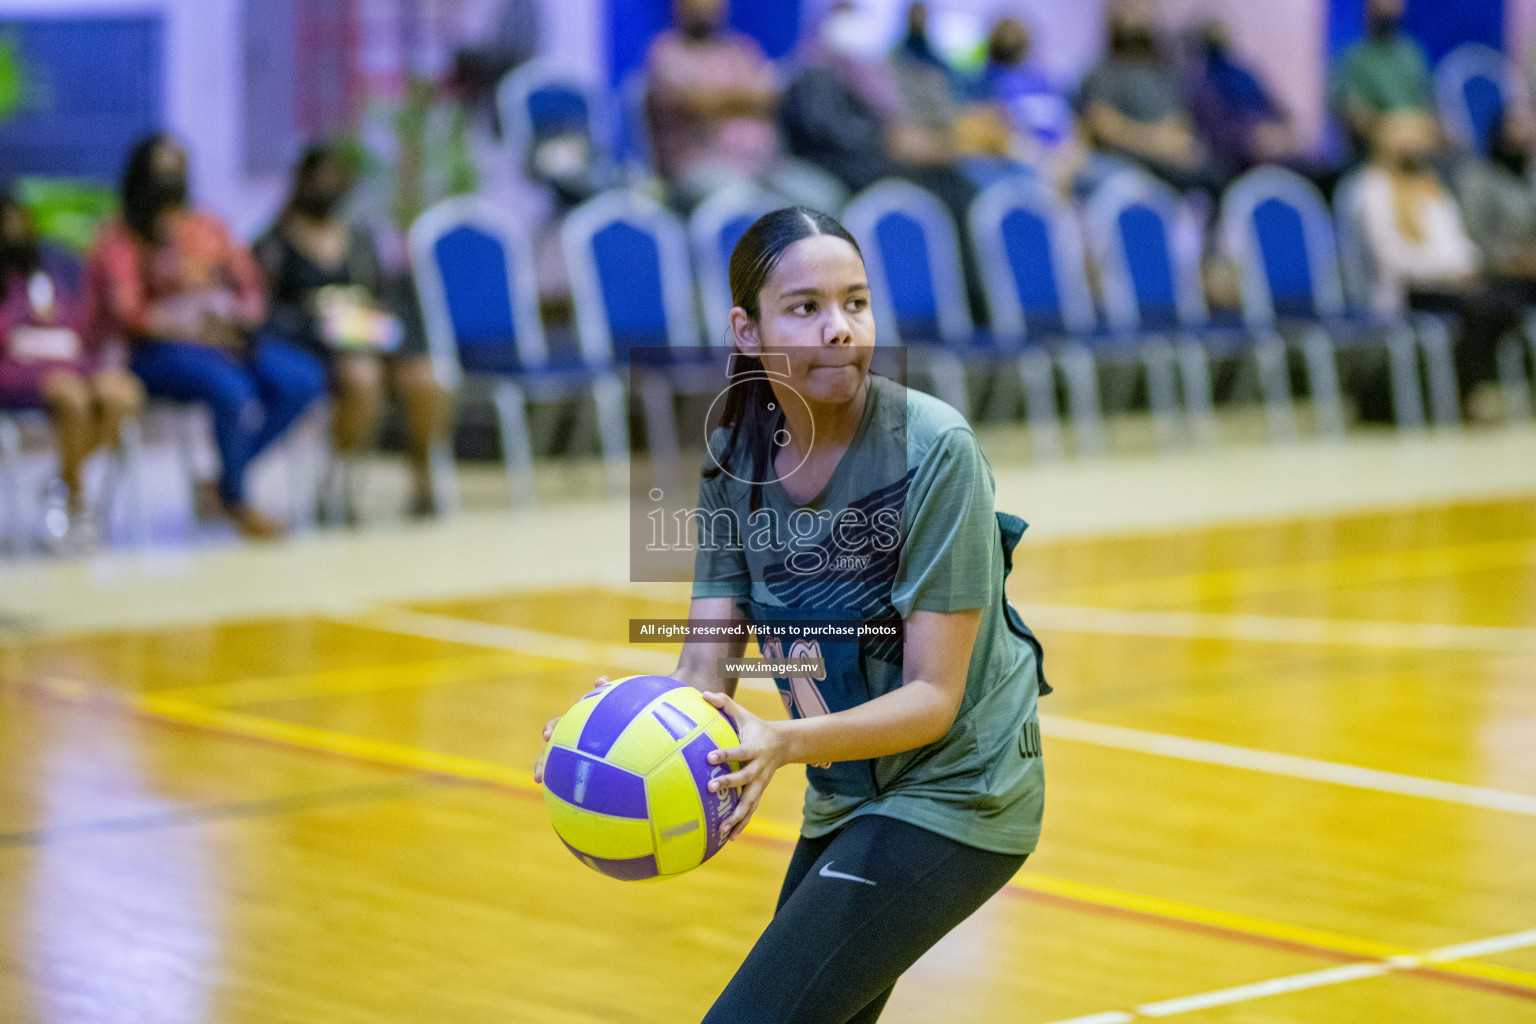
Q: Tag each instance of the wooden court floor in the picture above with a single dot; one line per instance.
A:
(1291, 772)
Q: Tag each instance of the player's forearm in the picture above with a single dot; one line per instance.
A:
(699, 663)
(913, 715)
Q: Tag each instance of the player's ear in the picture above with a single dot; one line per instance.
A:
(744, 331)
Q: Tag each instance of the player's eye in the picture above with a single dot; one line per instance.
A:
(857, 305)
(804, 309)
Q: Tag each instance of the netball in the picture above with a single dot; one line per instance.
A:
(626, 779)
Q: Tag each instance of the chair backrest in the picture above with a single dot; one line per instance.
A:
(1277, 229)
(1030, 253)
(1357, 267)
(1474, 85)
(627, 257)
(537, 100)
(1149, 266)
(912, 254)
(715, 227)
(475, 278)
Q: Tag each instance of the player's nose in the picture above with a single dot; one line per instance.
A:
(837, 330)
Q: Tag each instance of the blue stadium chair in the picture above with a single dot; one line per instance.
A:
(1474, 85)
(632, 286)
(1154, 301)
(912, 254)
(1030, 253)
(713, 231)
(475, 278)
(538, 100)
(1406, 337)
(1276, 229)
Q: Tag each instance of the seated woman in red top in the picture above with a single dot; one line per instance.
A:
(188, 298)
(44, 363)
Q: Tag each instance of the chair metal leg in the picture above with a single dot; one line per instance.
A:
(512, 418)
(10, 483)
(1269, 354)
(1038, 376)
(948, 374)
(1440, 369)
(1407, 389)
(304, 478)
(1199, 403)
(612, 430)
(1512, 379)
(1162, 390)
(1081, 373)
(444, 476)
(998, 401)
(184, 426)
(1323, 381)
(130, 462)
(337, 489)
(656, 398)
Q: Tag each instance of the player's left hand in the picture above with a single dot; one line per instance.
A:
(762, 751)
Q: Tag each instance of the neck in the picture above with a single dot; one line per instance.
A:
(832, 426)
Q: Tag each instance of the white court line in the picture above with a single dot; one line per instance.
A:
(526, 641)
(1186, 749)
(1311, 979)
(1273, 987)
(1468, 950)
(1280, 629)
(641, 659)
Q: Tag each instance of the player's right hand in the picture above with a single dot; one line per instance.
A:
(549, 730)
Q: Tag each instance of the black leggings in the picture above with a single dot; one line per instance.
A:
(857, 909)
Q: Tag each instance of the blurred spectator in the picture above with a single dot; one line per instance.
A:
(1384, 72)
(925, 77)
(945, 121)
(1039, 117)
(44, 362)
(1134, 108)
(188, 299)
(1235, 115)
(330, 297)
(1498, 198)
(512, 42)
(845, 111)
(1422, 256)
(710, 100)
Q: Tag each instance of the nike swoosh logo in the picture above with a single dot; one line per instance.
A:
(827, 872)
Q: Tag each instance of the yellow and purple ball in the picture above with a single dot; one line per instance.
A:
(626, 778)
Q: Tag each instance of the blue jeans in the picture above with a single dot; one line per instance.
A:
(253, 397)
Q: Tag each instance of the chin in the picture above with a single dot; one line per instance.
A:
(834, 388)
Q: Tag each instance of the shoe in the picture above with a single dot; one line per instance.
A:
(424, 506)
(206, 503)
(254, 524)
(57, 521)
(68, 529)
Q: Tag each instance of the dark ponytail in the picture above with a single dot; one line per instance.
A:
(757, 252)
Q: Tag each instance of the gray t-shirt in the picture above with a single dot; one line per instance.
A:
(1140, 91)
(915, 474)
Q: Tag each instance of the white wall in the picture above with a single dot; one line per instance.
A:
(1520, 30)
